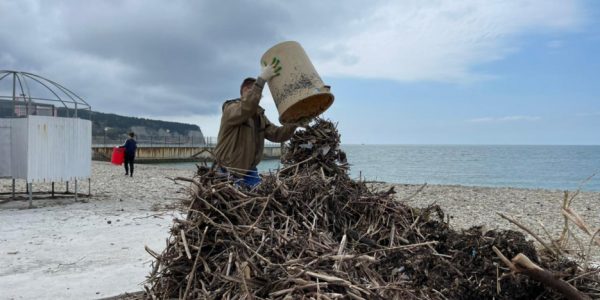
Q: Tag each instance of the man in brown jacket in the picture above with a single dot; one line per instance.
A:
(244, 128)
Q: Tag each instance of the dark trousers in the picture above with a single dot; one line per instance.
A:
(129, 164)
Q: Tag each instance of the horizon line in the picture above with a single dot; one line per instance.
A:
(453, 144)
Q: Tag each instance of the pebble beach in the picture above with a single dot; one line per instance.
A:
(94, 247)
(537, 209)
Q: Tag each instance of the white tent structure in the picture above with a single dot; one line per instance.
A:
(42, 139)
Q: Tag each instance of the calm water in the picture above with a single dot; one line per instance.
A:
(550, 167)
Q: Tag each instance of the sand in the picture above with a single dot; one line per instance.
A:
(479, 206)
(94, 247)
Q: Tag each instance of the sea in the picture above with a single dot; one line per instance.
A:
(519, 166)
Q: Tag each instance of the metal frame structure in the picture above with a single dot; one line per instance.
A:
(21, 82)
(21, 95)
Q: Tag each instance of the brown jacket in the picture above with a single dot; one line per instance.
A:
(243, 130)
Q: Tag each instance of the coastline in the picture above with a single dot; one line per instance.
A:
(537, 209)
(94, 248)
(475, 205)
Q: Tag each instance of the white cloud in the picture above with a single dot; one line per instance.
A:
(158, 58)
(439, 40)
(504, 119)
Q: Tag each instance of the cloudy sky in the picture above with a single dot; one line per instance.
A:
(403, 72)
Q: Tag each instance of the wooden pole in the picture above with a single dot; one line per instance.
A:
(522, 264)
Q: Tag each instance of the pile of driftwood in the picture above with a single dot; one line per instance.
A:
(310, 231)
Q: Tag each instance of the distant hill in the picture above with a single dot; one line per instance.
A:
(118, 126)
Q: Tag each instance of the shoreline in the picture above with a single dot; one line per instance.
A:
(539, 210)
(94, 248)
(271, 164)
(477, 205)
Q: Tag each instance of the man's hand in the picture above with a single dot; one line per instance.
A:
(271, 70)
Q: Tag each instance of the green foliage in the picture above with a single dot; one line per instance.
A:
(119, 125)
(116, 126)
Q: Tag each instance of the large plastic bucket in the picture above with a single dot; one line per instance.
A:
(118, 156)
(299, 92)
